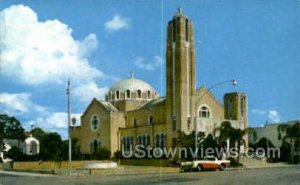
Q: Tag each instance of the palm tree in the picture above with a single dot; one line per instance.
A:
(235, 135)
(292, 135)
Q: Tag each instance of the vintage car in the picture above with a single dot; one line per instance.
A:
(208, 163)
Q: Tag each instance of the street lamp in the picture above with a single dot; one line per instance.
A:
(74, 121)
(233, 82)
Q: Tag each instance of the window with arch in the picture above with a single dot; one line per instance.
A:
(242, 104)
(144, 143)
(117, 94)
(162, 140)
(128, 94)
(204, 112)
(128, 143)
(139, 94)
(148, 140)
(95, 122)
(148, 94)
(124, 143)
(95, 145)
(150, 120)
(157, 140)
(134, 122)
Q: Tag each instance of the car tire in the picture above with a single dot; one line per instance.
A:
(199, 168)
(222, 167)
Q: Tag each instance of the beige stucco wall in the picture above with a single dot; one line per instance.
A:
(142, 115)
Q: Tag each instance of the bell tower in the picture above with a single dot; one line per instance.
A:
(180, 73)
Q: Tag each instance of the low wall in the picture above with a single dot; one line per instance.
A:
(49, 166)
(146, 162)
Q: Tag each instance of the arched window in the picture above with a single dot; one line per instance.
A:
(204, 112)
(95, 145)
(95, 122)
(131, 141)
(128, 94)
(134, 122)
(150, 120)
(148, 140)
(128, 143)
(124, 143)
(162, 140)
(157, 140)
(140, 140)
(148, 94)
(144, 140)
(139, 94)
(117, 94)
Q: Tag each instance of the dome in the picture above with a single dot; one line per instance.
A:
(131, 89)
(132, 84)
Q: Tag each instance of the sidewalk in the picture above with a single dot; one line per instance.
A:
(248, 164)
(25, 174)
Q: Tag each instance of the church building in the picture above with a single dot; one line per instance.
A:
(133, 112)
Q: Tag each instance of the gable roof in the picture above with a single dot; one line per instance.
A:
(106, 105)
(153, 103)
(207, 92)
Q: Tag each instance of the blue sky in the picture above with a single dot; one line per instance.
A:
(97, 43)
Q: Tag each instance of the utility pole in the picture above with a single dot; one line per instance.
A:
(69, 126)
(267, 140)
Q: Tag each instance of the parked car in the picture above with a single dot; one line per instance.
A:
(208, 163)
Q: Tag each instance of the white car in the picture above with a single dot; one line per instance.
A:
(206, 163)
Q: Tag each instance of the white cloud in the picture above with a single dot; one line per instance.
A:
(18, 104)
(54, 122)
(273, 116)
(258, 111)
(86, 92)
(141, 63)
(36, 52)
(117, 23)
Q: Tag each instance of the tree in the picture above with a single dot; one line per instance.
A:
(2, 146)
(236, 135)
(292, 136)
(38, 133)
(12, 128)
(51, 147)
(264, 143)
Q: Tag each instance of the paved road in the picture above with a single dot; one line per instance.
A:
(270, 176)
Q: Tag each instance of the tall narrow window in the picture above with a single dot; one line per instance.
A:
(157, 140)
(128, 143)
(242, 106)
(162, 140)
(174, 30)
(94, 122)
(174, 124)
(95, 145)
(128, 94)
(117, 94)
(148, 94)
(148, 140)
(189, 123)
(134, 122)
(139, 94)
(186, 29)
(150, 120)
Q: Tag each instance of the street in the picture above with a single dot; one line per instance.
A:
(279, 176)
